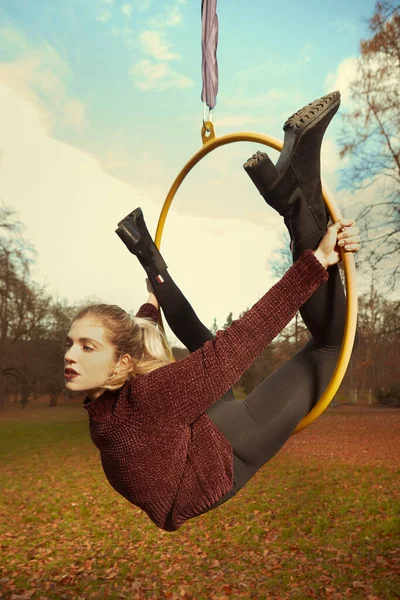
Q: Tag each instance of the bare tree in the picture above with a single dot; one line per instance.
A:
(8, 220)
(52, 349)
(279, 263)
(375, 367)
(24, 309)
(371, 137)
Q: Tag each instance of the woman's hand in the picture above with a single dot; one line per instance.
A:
(342, 234)
(151, 299)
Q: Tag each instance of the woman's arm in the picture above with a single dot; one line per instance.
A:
(151, 299)
(149, 310)
(180, 392)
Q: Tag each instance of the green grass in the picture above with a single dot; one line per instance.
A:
(300, 529)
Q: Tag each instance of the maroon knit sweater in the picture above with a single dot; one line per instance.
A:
(158, 447)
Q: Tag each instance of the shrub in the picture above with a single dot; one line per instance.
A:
(389, 397)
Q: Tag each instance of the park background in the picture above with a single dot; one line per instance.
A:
(100, 108)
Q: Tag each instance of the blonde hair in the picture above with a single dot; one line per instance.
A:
(141, 338)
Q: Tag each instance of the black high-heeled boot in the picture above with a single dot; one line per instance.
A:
(133, 232)
(297, 174)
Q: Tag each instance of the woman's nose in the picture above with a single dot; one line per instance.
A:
(69, 356)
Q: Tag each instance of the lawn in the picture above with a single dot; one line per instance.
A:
(318, 521)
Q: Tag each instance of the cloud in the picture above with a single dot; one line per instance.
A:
(148, 75)
(274, 96)
(141, 5)
(74, 113)
(250, 76)
(40, 74)
(330, 160)
(127, 10)
(155, 45)
(156, 74)
(345, 74)
(151, 75)
(350, 70)
(104, 13)
(59, 197)
(15, 45)
(112, 161)
(171, 16)
(70, 208)
(236, 121)
(344, 26)
(126, 34)
(331, 163)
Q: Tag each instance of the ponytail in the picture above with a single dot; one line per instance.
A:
(140, 338)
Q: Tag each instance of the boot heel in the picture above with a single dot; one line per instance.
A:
(261, 171)
(130, 236)
(132, 230)
(133, 215)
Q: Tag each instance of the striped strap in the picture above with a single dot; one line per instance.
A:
(209, 42)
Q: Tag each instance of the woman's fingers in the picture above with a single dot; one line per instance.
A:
(349, 235)
(345, 222)
(352, 247)
(349, 238)
(348, 232)
(343, 233)
(149, 286)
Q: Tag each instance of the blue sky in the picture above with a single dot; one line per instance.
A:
(101, 101)
(286, 47)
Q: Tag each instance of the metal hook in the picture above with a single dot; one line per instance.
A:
(205, 116)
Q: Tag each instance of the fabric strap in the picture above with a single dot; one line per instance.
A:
(209, 42)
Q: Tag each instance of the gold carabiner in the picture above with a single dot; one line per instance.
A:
(207, 132)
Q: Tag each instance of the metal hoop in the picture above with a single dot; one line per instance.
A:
(210, 143)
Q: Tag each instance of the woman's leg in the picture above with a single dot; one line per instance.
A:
(258, 426)
(181, 318)
(178, 312)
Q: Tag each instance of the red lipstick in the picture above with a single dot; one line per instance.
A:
(70, 373)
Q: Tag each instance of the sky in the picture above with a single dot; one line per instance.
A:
(100, 108)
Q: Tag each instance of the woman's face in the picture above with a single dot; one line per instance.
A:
(89, 359)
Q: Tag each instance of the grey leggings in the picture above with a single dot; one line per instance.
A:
(258, 426)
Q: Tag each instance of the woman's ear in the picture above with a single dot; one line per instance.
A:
(125, 360)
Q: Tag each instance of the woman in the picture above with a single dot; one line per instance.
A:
(172, 439)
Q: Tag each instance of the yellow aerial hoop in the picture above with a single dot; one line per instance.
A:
(210, 143)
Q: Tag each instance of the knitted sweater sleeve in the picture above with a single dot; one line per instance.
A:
(148, 311)
(180, 392)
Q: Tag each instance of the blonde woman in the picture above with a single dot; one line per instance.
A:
(172, 438)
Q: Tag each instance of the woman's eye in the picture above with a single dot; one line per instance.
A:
(87, 349)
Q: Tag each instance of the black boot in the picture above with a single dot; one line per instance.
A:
(294, 184)
(133, 232)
